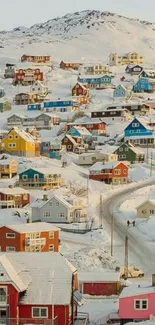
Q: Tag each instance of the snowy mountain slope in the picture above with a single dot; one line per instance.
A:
(86, 35)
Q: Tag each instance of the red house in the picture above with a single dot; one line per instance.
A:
(99, 283)
(69, 65)
(27, 76)
(14, 197)
(38, 288)
(36, 58)
(111, 173)
(95, 128)
(80, 90)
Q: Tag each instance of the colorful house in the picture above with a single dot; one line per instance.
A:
(29, 281)
(128, 152)
(36, 58)
(39, 88)
(129, 58)
(150, 74)
(134, 69)
(96, 82)
(69, 143)
(99, 283)
(14, 197)
(30, 237)
(5, 106)
(8, 168)
(27, 77)
(94, 69)
(95, 128)
(34, 107)
(121, 92)
(28, 98)
(133, 108)
(136, 303)
(20, 143)
(79, 132)
(60, 105)
(111, 173)
(41, 178)
(90, 158)
(69, 65)
(143, 85)
(146, 209)
(111, 116)
(80, 90)
(138, 132)
(59, 209)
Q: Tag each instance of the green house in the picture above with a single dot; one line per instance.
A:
(5, 106)
(127, 152)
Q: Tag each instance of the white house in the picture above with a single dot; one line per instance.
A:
(59, 209)
(92, 157)
(39, 88)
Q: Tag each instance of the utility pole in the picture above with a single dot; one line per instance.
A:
(112, 234)
(100, 214)
(151, 165)
(147, 155)
(126, 259)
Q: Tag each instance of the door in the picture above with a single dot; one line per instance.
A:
(3, 316)
(36, 177)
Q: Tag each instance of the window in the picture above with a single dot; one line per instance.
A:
(51, 235)
(3, 294)
(57, 204)
(117, 171)
(11, 235)
(126, 149)
(141, 304)
(151, 211)
(61, 215)
(10, 249)
(25, 197)
(135, 125)
(47, 214)
(10, 137)
(24, 177)
(124, 171)
(16, 137)
(120, 149)
(51, 248)
(69, 147)
(39, 312)
(11, 145)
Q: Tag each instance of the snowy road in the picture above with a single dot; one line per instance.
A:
(138, 248)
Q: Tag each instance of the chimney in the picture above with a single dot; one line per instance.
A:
(10, 186)
(45, 197)
(153, 280)
(27, 130)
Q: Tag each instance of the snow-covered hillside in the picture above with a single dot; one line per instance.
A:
(87, 34)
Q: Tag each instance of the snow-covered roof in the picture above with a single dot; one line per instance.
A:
(151, 201)
(135, 137)
(109, 165)
(45, 171)
(70, 138)
(40, 202)
(47, 277)
(82, 130)
(143, 122)
(10, 274)
(33, 227)
(81, 85)
(13, 191)
(134, 290)
(24, 135)
(102, 276)
(4, 162)
(121, 86)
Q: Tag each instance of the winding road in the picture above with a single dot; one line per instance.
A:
(138, 247)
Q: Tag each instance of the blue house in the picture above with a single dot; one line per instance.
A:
(60, 105)
(143, 85)
(147, 74)
(79, 132)
(40, 178)
(96, 82)
(134, 69)
(34, 107)
(121, 91)
(138, 128)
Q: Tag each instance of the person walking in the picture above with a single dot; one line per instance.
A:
(128, 223)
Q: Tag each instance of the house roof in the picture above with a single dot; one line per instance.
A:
(39, 203)
(47, 277)
(121, 87)
(109, 165)
(82, 130)
(149, 200)
(131, 146)
(4, 162)
(70, 138)
(81, 85)
(33, 227)
(10, 274)
(14, 190)
(134, 290)
(23, 134)
(45, 171)
(102, 276)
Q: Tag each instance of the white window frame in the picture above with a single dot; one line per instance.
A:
(47, 216)
(40, 312)
(51, 234)
(12, 233)
(51, 246)
(8, 249)
(141, 303)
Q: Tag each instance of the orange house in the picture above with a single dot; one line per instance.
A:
(30, 237)
(111, 173)
(80, 90)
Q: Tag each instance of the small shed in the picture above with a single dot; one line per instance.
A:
(99, 283)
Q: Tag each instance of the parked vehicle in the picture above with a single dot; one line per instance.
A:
(133, 272)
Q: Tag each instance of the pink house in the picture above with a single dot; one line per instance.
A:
(137, 303)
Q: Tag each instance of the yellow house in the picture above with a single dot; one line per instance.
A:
(146, 209)
(129, 58)
(8, 168)
(20, 143)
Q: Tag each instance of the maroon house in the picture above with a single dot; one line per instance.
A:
(96, 128)
(69, 65)
(14, 197)
(99, 283)
(38, 288)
